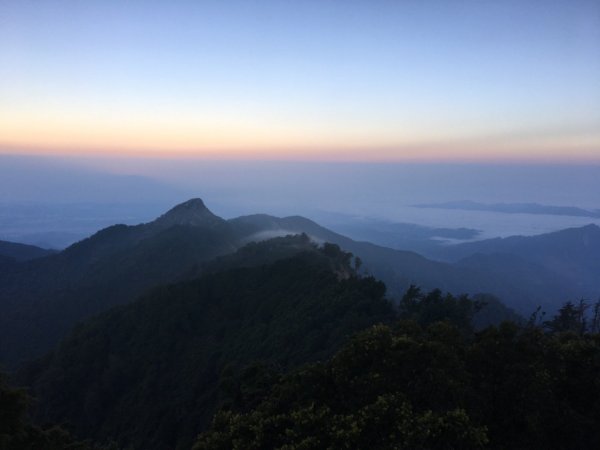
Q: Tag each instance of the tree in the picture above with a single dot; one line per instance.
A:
(17, 433)
(406, 386)
(431, 307)
(570, 318)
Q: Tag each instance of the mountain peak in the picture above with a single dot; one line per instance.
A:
(192, 212)
(193, 204)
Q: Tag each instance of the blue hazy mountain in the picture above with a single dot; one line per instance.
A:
(22, 252)
(572, 255)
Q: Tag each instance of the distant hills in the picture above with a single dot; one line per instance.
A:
(522, 282)
(514, 208)
(41, 299)
(401, 236)
(571, 256)
(398, 269)
(22, 252)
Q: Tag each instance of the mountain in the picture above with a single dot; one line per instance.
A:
(401, 236)
(22, 252)
(41, 299)
(191, 213)
(16, 431)
(147, 374)
(522, 284)
(6, 261)
(398, 269)
(571, 256)
(523, 271)
(401, 269)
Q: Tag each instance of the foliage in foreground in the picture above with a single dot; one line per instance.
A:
(17, 434)
(410, 387)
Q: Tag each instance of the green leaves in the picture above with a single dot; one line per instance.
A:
(388, 422)
(409, 387)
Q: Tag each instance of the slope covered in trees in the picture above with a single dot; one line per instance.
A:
(147, 374)
(409, 386)
(17, 433)
(6, 262)
(41, 300)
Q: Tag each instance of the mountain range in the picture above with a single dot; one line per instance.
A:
(42, 298)
(21, 252)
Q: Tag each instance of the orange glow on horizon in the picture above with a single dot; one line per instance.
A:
(418, 153)
(216, 138)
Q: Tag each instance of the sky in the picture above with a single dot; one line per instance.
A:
(426, 81)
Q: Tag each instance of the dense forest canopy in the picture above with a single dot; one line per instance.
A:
(407, 386)
(412, 383)
(148, 374)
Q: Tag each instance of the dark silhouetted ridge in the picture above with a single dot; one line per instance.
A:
(22, 252)
(192, 213)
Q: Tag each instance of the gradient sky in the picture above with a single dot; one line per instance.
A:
(321, 80)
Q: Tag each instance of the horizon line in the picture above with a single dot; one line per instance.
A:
(327, 157)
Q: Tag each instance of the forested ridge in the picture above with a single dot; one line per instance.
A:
(42, 299)
(147, 374)
(301, 352)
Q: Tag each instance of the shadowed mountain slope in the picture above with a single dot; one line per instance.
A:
(571, 256)
(22, 252)
(399, 269)
(147, 373)
(40, 300)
